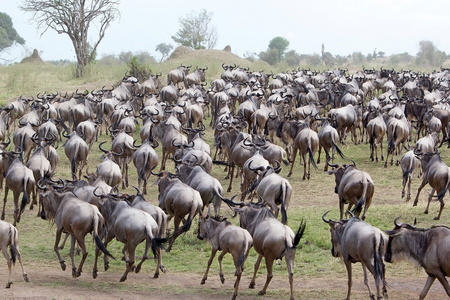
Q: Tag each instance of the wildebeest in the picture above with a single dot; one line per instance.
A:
(437, 174)
(230, 239)
(9, 237)
(271, 240)
(409, 164)
(177, 76)
(427, 247)
(273, 189)
(178, 200)
(20, 179)
(75, 217)
(131, 226)
(357, 241)
(354, 187)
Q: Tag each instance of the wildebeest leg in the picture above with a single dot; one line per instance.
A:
(366, 281)
(427, 286)
(381, 150)
(257, 263)
(19, 256)
(320, 150)
(57, 239)
(294, 154)
(442, 204)
(4, 202)
(9, 262)
(348, 265)
(269, 266)
(109, 237)
(176, 232)
(290, 257)
(129, 262)
(424, 182)
(213, 253)
(444, 283)
(231, 173)
(429, 201)
(222, 278)
(82, 245)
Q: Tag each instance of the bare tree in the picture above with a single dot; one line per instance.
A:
(74, 18)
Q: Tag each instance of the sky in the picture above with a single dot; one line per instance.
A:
(342, 26)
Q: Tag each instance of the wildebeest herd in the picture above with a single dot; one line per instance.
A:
(259, 122)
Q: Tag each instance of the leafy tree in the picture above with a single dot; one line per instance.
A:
(164, 49)
(270, 56)
(429, 54)
(8, 35)
(292, 58)
(74, 18)
(280, 44)
(196, 31)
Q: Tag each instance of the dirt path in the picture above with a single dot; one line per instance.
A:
(52, 283)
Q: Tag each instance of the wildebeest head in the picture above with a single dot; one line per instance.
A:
(338, 172)
(336, 229)
(397, 240)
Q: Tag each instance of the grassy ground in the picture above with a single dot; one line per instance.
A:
(310, 199)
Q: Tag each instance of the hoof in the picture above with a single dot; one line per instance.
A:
(94, 274)
(203, 281)
(222, 279)
(156, 275)
(122, 279)
(8, 285)
(63, 265)
(25, 277)
(251, 285)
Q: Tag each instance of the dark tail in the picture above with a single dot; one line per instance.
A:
(378, 264)
(311, 158)
(406, 174)
(101, 246)
(338, 150)
(299, 234)
(12, 248)
(391, 144)
(283, 204)
(73, 166)
(25, 197)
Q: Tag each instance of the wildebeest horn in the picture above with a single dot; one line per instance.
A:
(332, 165)
(101, 148)
(349, 212)
(138, 191)
(397, 224)
(156, 174)
(324, 219)
(354, 164)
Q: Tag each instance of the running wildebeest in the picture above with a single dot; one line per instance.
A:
(427, 247)
(9, 237)
(271, 240)
(356, 241)
(230, 239)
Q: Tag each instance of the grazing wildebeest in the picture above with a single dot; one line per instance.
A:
(271, 240)
(132, 226)
(357, 241)
(437, 174)
(409, 164)
(75, 217)
(427, 247)
(9, 237)
(354, 187)
(230, 239)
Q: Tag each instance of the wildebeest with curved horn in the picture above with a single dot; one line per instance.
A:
(230, 239)
(357, 241)
(354, 187)
(75, 217)
(427, 247)
(271, 240)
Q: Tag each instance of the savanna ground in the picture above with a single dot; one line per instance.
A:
(317, 275)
